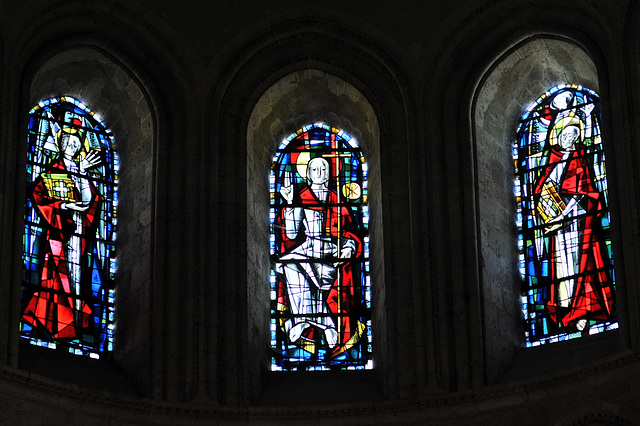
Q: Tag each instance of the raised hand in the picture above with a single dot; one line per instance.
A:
(588, 108)
(286, 190)
(91, 160)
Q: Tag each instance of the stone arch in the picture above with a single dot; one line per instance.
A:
(316, 69)
(629, 110)
(92, 75)
(512, 83)
(303, 97)
(468, 52)
(137, 63)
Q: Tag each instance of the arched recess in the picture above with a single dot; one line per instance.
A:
(300, 98)
(303, 97)
(627, 93)
(513, 82)
(329, 76)
(95, 77)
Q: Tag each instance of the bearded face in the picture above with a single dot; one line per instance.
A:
(568, 138)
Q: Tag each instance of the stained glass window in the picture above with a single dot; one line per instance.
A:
(320, 288)
(566, 261)
(69, 231)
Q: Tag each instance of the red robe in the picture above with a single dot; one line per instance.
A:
(342, 297)
(53, 307)
(593, 292)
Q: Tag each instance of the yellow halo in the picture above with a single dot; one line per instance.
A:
(563, 123)
(301, 164)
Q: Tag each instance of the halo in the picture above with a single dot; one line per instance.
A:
(84, 147)
(68, 130)
(301, 164)
(562, 124)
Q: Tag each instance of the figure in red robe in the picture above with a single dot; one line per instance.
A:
(320, 244)
(571, 209)
(68, 204)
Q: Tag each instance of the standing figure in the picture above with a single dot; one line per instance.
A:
(569, 209)
(68, 204)
(322, 244)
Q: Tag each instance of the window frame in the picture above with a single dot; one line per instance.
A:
(42, 233)
(339, 151)
(552, 118)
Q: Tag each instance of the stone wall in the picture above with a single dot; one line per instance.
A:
(199, 95)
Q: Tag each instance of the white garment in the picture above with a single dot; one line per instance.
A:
(74, 245)
(566, 259)
(308, 278)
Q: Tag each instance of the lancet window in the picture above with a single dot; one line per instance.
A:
(566, 258)
(320, 287)
(69, 256)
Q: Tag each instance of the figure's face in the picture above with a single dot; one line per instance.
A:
(318, 171)
(568, 137)
(73, 146)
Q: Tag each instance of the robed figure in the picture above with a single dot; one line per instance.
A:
(569, 209)
(320, 282)
(68, 204)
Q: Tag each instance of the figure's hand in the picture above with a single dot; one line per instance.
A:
(286, 190)
(91, 160)
(554, 224)
(346, 252)
(79, 207)
(588, 108)
(552, 228)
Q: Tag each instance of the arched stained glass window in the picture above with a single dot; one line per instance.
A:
(566, 259)
(320, 289)
(70, 220)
